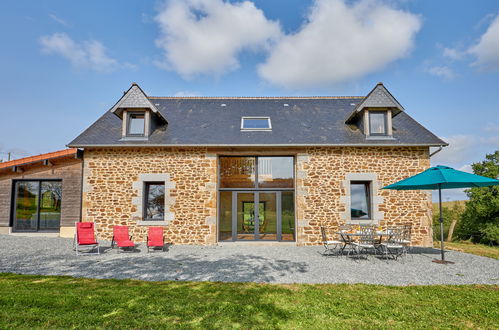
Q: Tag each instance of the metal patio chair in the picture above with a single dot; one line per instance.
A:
(330, 246)
(396, 245)
(368, 240)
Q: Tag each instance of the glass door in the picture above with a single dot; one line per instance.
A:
(37, 205)
(267, 216)
(246, 216)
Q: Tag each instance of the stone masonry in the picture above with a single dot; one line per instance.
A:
(110, 189)
(321, 190)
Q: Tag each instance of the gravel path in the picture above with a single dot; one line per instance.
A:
(241, 263)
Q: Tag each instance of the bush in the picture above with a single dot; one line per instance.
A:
(480, 219)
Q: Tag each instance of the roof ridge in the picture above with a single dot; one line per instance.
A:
(39, 157)
(253, 97)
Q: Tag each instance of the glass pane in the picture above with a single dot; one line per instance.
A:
(26, 205)
(225, 224)
(288, 215)
(275, 172)
(359, 200)
(136, 125)
(377, 122)
(255, 123)
(237, 172)
(267, 216)
(155, 201)
(245, 216)
(50, 205)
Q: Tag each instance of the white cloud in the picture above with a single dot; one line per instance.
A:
(341, 41)
(459, 150)
(87, 54)
(443, 72)
(206, 36)
(487, 48)
(59, 20)
(453, 54)
(186, 94)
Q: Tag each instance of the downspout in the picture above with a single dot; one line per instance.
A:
(436, 151)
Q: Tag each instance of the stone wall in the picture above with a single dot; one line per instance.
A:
(111, 191)
(322, 195)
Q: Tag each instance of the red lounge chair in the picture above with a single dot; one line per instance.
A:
(122, 238)
(86, 236)
(155, 238)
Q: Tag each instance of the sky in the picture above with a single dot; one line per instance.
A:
(64, 63)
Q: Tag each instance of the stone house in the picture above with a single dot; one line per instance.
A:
(224, 169)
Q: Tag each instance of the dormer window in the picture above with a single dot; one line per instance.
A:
(256, 124)
(136, 124)
(378, 123)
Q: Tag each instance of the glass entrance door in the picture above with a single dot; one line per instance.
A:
(37, 205)
(250, 215)
(246, 216)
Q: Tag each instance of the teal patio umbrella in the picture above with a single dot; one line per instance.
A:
(442, 177)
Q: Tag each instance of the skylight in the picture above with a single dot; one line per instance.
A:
(256, 124)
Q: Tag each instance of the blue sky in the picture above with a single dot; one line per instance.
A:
(64, 63)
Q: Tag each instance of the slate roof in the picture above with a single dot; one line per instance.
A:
(194, 121)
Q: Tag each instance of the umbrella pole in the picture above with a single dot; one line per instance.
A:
(441, 261)
(441, 222)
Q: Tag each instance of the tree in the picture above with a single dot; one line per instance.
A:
(480, 220)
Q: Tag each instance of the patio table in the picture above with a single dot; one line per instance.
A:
(347, 237)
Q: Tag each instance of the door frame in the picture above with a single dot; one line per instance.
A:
(256, 203)
(14, 206)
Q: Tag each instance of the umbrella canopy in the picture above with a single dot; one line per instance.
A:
(442, 177)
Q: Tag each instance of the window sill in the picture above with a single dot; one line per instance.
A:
(134, 138)
(153, 223)
(380, 137)
(362, 222)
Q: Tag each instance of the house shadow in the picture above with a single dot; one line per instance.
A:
(156, 266)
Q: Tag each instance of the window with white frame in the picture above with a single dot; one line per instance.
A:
(378, 123)
(256, 124)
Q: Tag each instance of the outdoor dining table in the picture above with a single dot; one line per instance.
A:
(347, 236)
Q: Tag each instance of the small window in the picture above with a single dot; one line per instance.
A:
(256, 123)
(378, 123)
(154, 201)
(360, 200)
(136, 124)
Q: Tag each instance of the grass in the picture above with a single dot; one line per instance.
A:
(469, 247)
(30, 301)
(448, 204)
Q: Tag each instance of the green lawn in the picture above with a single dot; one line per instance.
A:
(63, 302)
(469, 247)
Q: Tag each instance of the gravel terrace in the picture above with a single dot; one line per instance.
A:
(241, 263)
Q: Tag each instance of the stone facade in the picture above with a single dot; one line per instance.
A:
(110, 191)
(112, 177)
(322, 195)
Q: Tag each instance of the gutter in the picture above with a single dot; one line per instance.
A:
(437, 151)
(253, 145)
